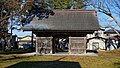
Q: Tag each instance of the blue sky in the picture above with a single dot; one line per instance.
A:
(105, 20)
(21, 33)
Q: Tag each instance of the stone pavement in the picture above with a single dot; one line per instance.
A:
(60, 54)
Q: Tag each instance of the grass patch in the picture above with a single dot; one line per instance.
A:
(106, 59)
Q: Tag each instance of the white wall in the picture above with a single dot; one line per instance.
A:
(100, 42)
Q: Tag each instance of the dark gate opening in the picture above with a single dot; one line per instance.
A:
(61, 44)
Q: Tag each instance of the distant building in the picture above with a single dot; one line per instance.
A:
(96, 41)
(103, 40)
(111, 32)
(25, 40)
(114, 37)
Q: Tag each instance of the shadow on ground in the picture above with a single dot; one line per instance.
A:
(92, 51)
(19, 51)
(117, 64)
(13, 58)
(46, 64)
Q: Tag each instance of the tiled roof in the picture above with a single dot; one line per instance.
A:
(66, 20)
(111, 31)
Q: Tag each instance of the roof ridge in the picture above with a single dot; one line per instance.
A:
(78, 10)
(72, 10)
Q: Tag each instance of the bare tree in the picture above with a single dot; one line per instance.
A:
(10, 9)
(109, 7)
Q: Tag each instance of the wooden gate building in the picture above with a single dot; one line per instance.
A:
(72, 25)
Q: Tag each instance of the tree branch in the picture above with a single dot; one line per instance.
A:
(112, 29)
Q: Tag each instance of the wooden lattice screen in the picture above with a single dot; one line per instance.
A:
(44, 45)
(77, 45)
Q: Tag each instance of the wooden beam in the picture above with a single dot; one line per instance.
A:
(32, 41)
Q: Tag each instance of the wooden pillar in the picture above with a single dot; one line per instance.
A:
(36, 46)
(85, 40)
(53, 45)
(32, 42)
(69, 45)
